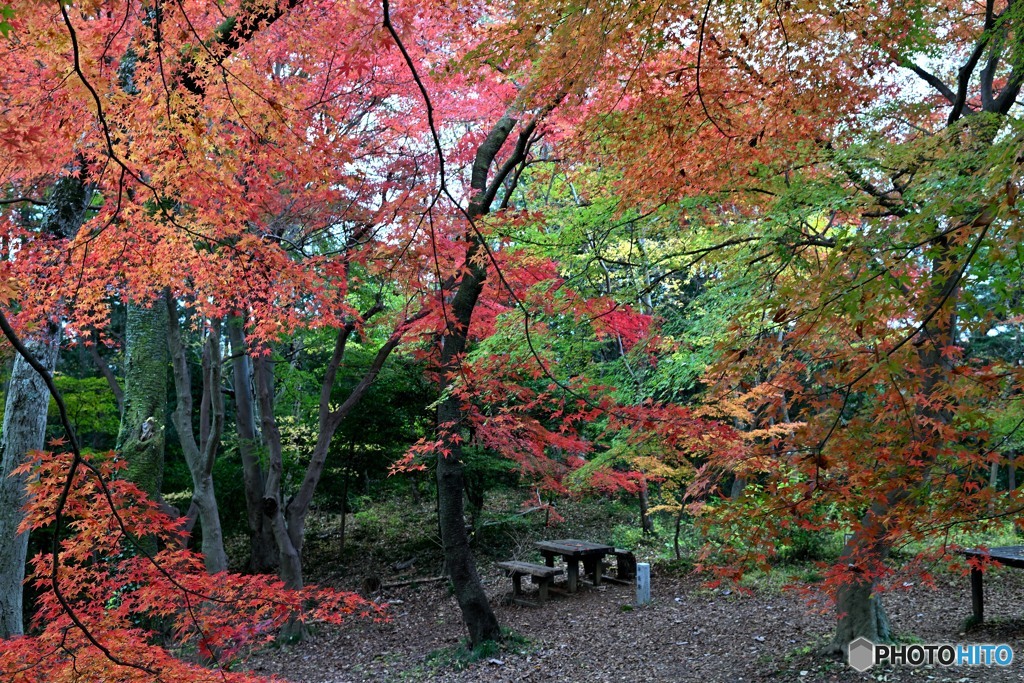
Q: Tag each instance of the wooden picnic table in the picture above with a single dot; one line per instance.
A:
(1009, 555)
(541, 575)
(574, 551)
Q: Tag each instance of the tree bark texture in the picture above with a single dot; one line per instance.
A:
(858, 604)
(140, 441)
(646, 523)
(864, 617)
(289, 555)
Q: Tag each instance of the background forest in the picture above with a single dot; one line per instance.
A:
(297, 288)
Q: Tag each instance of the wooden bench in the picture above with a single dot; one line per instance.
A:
(625, 564)
(541, 575)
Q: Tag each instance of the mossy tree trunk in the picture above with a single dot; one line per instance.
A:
(860, 610)
(140, 441)
(863, 616)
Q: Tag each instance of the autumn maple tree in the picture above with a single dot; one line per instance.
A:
(862, 167)
(106, 617)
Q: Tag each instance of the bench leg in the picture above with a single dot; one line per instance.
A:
(517, 586)
(542, 587)
(592, 568)
(977, 596)
(573, 574)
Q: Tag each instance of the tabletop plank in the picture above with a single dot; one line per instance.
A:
(573, 546)
(1009, 555)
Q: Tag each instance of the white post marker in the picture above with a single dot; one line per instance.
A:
(643, 583)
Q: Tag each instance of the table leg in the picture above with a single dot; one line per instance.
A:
(573, 567)
(549, 559)
(977, 596)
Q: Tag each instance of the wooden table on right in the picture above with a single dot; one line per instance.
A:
(1009, 555)
(574, 551)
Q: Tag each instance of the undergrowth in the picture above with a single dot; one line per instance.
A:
(461, 656)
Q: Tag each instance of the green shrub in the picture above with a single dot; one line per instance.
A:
(460, 657)
(809, 546)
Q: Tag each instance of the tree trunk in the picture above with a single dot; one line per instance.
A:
(140, 441)
(859, 607)
(288, 518)
(289, 556)
(678, 531)
(861, 616)
(646, 523)
(262, 548)
(104, 369)
(200, 455)
(211, 420)
(993, 483)
(28, 400)
(861, 613)
(344, 503)
(24, 430)
(477, 614)
(214, 558)
(739, 483)
(417, 497)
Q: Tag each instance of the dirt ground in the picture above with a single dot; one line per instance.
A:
(687, 634)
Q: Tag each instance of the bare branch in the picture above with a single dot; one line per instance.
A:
(108, 374)
(933, 81)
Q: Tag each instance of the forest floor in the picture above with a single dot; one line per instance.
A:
(688, 633)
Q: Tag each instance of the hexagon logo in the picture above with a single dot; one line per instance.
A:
(861, 654)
